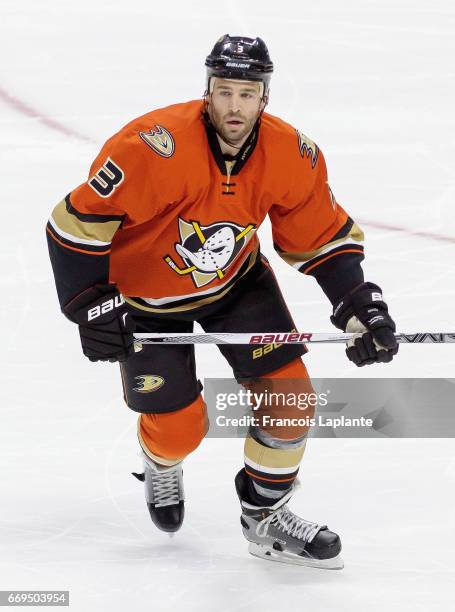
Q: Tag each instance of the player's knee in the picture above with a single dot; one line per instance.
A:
(291, 400)
(173, 435)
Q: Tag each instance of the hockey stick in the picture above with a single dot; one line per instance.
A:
(281, 338)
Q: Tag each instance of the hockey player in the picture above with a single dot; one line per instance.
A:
(164, 233)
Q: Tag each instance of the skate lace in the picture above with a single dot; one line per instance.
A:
(166, 488)
(289, 523)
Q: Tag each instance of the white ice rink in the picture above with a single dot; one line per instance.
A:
(373, 83)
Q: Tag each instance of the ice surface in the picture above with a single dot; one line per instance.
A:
(373, 83)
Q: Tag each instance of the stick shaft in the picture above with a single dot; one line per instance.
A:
(283, 338)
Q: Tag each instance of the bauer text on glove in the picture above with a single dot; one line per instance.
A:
(105, 326)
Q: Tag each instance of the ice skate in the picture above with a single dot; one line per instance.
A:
(276, 534)
(164, 494)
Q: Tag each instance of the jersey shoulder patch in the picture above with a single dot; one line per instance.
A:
(307, 148)
(160, 140)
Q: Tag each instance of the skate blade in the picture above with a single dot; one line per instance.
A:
(270, 554)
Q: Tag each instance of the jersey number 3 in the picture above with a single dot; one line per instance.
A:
(108, 177)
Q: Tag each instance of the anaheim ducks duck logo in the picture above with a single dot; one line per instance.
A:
(208, 251)
(160, 140)
(307, 148)
(148, 383)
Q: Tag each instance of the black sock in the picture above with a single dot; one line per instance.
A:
(256, 499)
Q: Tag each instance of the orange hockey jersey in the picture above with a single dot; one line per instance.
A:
(174, 223)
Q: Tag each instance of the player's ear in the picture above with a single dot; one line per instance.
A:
(265, 98)
(206, 99)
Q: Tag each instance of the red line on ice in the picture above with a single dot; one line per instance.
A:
(27, 110)
(395, 228)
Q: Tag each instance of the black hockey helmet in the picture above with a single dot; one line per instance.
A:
(239, 57)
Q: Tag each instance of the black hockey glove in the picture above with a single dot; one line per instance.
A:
(105, 326)
(363, 311)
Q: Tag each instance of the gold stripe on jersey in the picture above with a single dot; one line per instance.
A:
(76, 230)
(354, 237)
(174, 307)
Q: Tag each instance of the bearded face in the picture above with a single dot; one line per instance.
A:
(234, 107)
